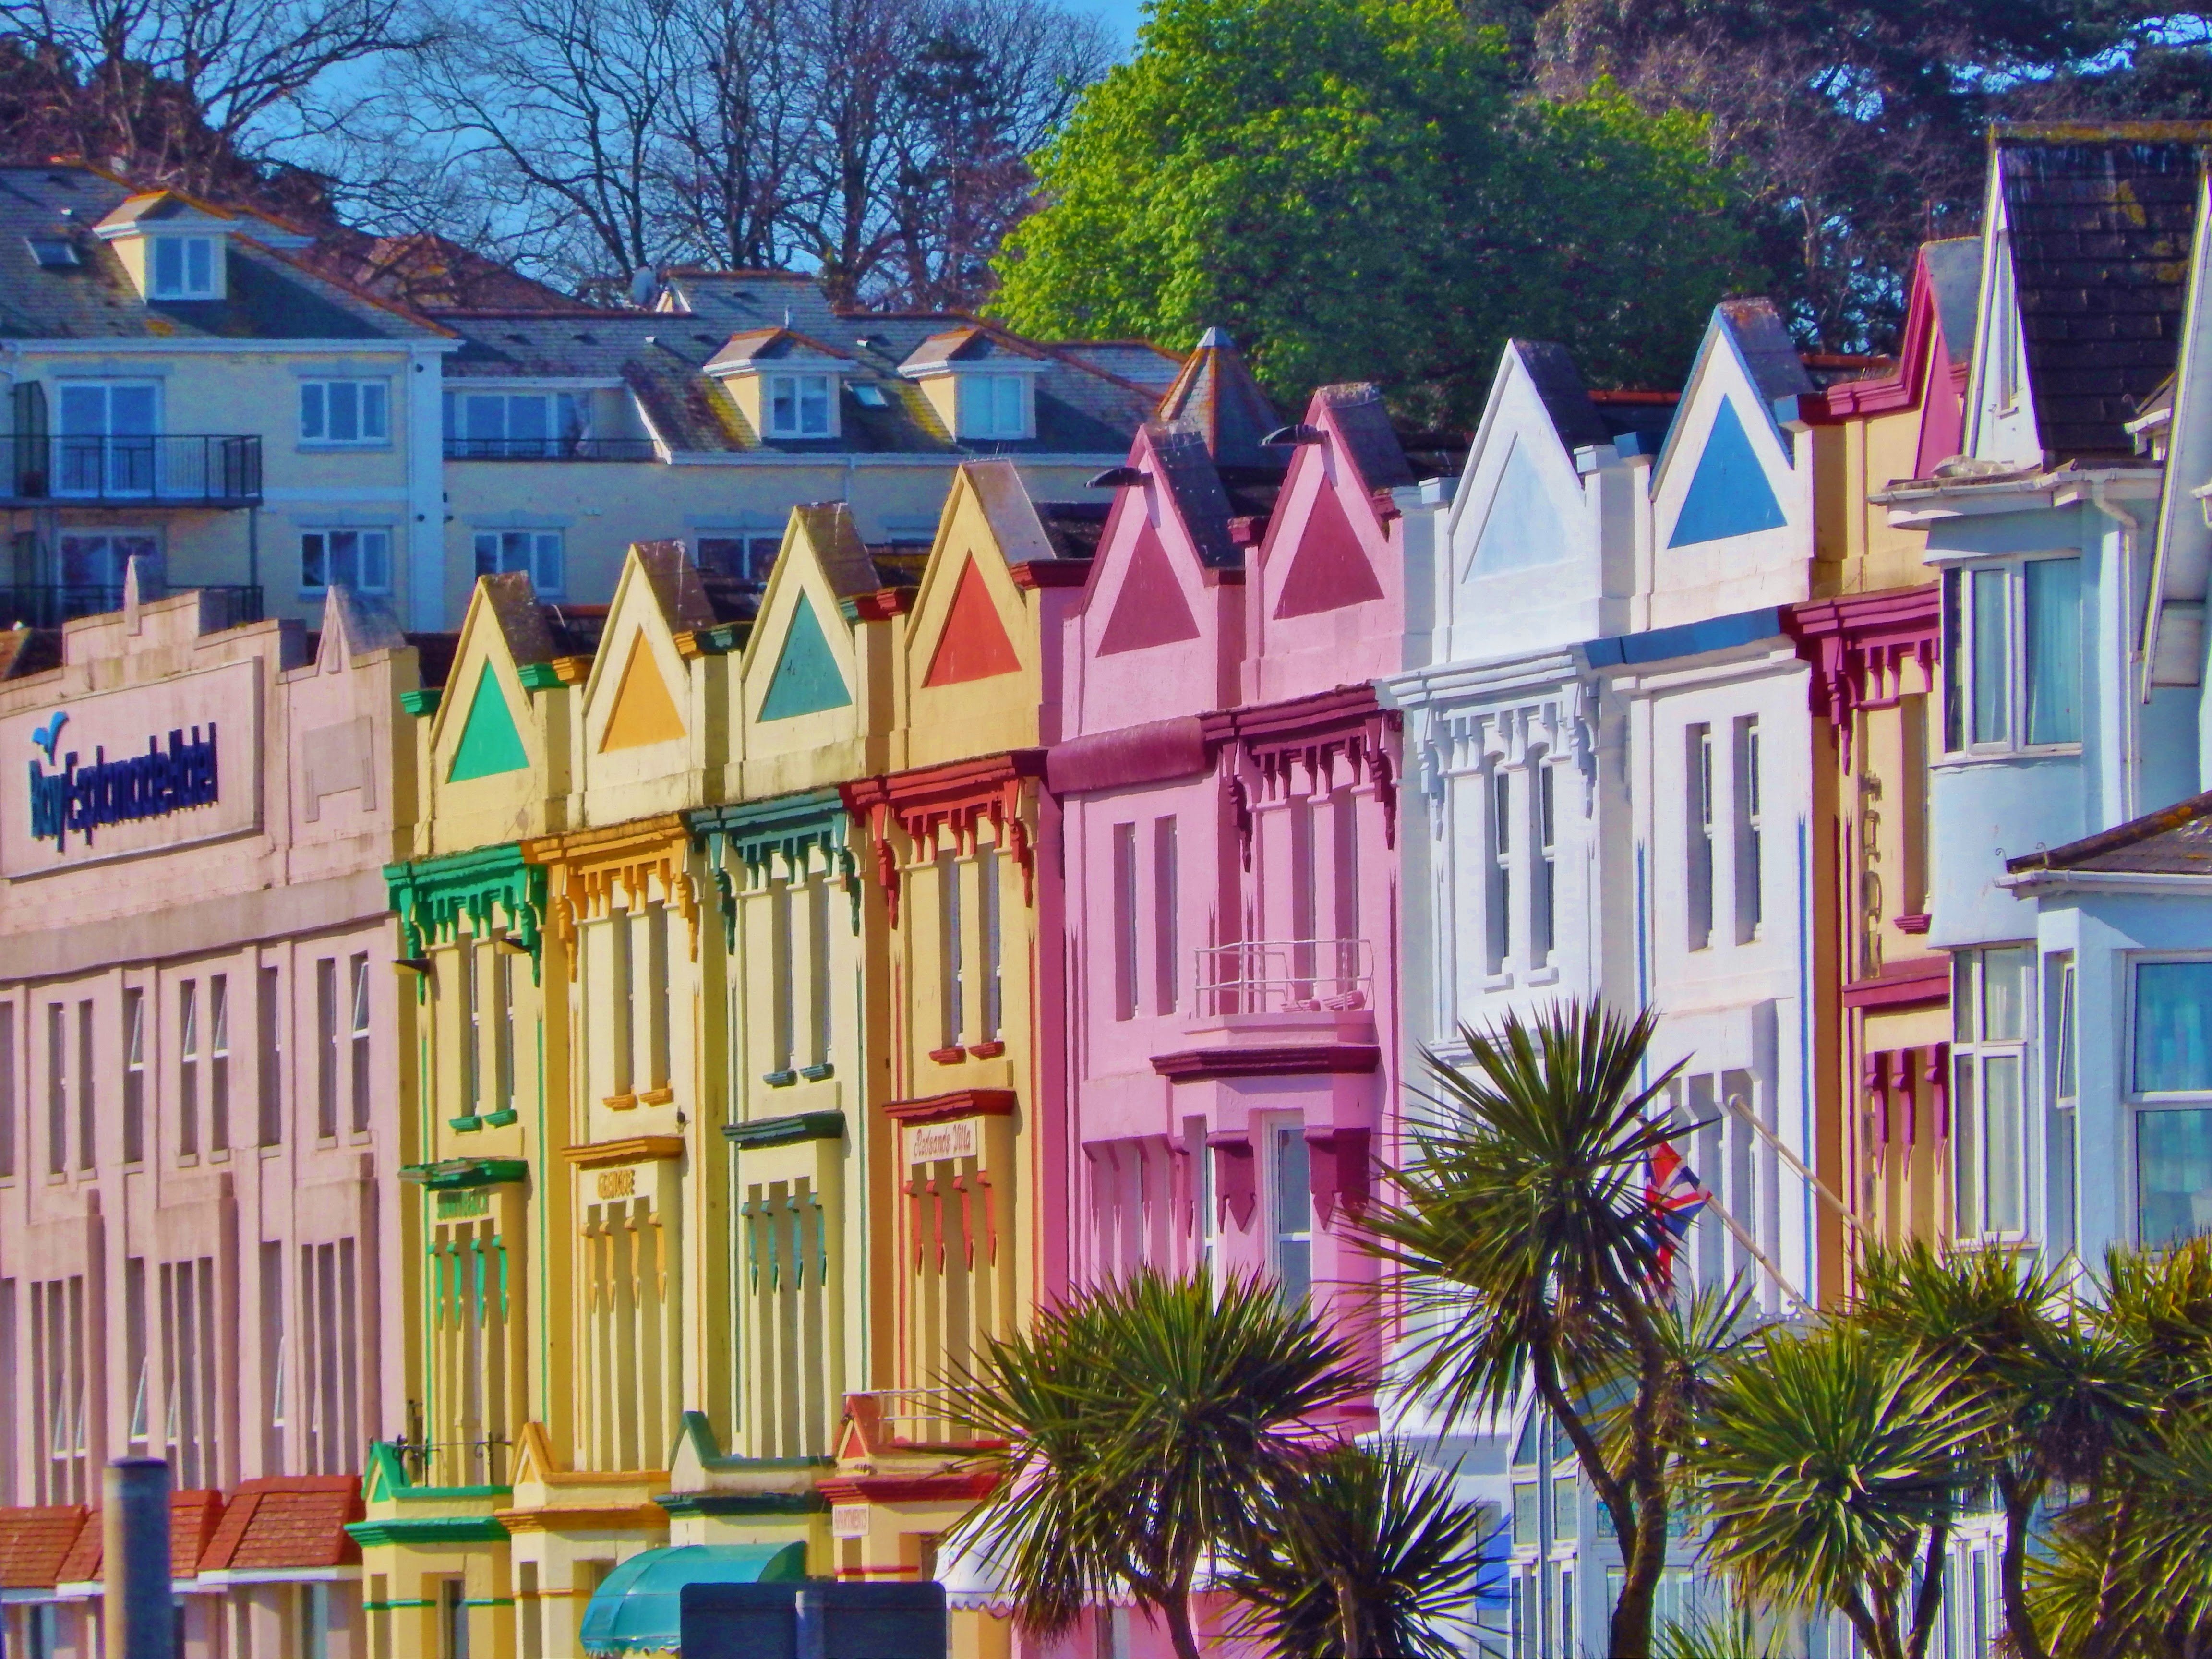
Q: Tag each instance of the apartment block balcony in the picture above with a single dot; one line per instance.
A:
(200, 469)
(1279, 1007)
(551, 449)
(51, 604)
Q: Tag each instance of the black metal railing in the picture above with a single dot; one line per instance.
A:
(551, 449)
(51, 604)
(176, 470)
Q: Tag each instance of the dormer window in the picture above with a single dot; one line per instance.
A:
(183, 268)
(994, 406)
(799, 406)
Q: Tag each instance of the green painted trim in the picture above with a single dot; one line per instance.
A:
(433, 1529)
(744, 1503)
(501, 1119)
(393, 1607)
(423, 702)
(465, 1124)
(806, 679)
(488, 1601)
(762, 1131)
(792, 830)
(723, 638)
(434, 895)
(455, 1173)
(491, 743)
(537, 676)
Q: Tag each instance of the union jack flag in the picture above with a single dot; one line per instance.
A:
(1671, 1187)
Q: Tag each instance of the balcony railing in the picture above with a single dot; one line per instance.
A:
(551, 449)
(1276, 976)
(49, 606)
(174, 470)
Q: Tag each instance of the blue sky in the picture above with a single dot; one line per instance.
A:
(1120, 17)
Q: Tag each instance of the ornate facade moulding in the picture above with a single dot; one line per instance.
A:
(460, 1174)
(1857, 649)
(490, 886)
(758, 1133)
(644, 859)
(954, 799)
(944, 1108)
(1262, 754)
(1277, 1060)
(633, 1149)
(747, 841)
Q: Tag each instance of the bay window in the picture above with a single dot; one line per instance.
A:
(2012, 651)
(1291, 1209)
(1990, 995)
(2173, 1082)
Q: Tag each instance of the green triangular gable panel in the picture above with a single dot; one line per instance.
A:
(1728, 494)
(806, 680)
(489, 743)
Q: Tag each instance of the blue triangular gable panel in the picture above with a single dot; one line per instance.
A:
(806, 680)
(1729, 495)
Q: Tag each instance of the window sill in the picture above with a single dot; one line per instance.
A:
(1543, 976)
(220, 1155)
(817, 1073)
(323, 593)
(188, 1160)
(778, 1079)
(466, 1125)
(1498, 983)
(1917, 922)
(620, 1102)
(271, 1149)
(2025, 752)
(494, 1120)
(950, 1056)
(990, 1050)
(344, 447)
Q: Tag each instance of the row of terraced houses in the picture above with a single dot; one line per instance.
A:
(584, 921)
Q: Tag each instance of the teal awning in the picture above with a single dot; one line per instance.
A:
(638, 1607)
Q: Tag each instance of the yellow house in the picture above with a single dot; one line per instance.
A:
(973, 1136)
(485, 1049)
(183, 389)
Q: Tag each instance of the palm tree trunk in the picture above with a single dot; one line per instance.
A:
(1928, 1606)
(1174, 1607)
(2011, 1576)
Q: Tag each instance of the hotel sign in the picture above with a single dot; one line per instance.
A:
(139, 770)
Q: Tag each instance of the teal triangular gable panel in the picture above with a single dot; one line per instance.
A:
(1728, 494)
(806, 680)
(1523, 527)
(489, 743)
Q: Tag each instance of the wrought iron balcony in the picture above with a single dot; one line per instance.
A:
(50, 606)
(168, 470)
(1277, 976)
(551, 449)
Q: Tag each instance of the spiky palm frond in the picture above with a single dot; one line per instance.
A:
(1521, 1223)
(1364, 1554)
(1144, 1423)
(1827, 1458)
(1732, 1635)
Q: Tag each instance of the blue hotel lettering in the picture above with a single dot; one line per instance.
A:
(80, 799)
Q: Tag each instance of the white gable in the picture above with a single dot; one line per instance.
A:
(2000, 409)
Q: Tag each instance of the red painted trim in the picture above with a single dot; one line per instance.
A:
(906, 1488)
(960, 1102)
(1033, 574)
(1920, 983)
(1286, 1059)
(1907, 387)
(883, 605)
(1918, 924)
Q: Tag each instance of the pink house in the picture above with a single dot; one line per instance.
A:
(1229, 790)
(199, 1144)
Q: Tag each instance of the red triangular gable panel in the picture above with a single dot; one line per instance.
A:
(973, 645)
(1150, 609)
(1328, 571)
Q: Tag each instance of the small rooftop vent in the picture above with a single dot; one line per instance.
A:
(54, 252)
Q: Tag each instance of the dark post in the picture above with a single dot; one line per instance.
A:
(138, 1617)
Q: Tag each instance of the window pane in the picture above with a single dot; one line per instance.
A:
(2000, 1142)
(1966, 994)
(1293, 1212)
(2173, 1047)
(199, 265)
(2173, 1167)
(550, 576)
(1009, 409)
(345, 412)
(2005, 975)
(2065, 1068)
(487, 417)
(814, 405)
(1965, 1150)
(344, 551)
(487, 555)
(2054, 651)
(525, 419)
(1527, 1514)
(375, 561)
(371, 410)
(168, 266)
(311, 409)
(312, 569)
(783, 405)
(1992, 691)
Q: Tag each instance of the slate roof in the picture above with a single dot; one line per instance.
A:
(1187, 467)
(2100, 221)
(1074, 527)
(2175, 839)
(35, 1541)
(1216, 395)
(1771, 356)
(1081, 408)
(1359, 413)
(286, 1520)
(852, 567)
(272, 296)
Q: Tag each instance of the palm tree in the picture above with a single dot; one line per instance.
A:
(1529, 1256)
(1831, 1465)
(1146, 1424)
(1363, 1555)
(2065, 1393)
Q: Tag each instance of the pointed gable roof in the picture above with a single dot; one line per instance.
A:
(1216, 397)
(1746, 357)
(973, 643)
(638, 688)
(806, 679)
(2098, 222)
(490, 741)
(800, 657)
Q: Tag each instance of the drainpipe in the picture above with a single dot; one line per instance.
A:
(2139, 652)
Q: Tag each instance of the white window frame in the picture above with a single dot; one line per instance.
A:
(1961, 655)
(773, 389)
(1976, 1056)
(318, 401)
(1279, 1201)
(541, 553)
(326, 551)
(568, 422)
(184, 288)
(980, 400)
(2149, 1102)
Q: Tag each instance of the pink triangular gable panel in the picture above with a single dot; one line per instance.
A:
(973, 645)
(1150, 609)
(1329, 570)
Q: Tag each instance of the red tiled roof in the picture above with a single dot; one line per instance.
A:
(193, 1516)
(287, 1521)
(33, 1543)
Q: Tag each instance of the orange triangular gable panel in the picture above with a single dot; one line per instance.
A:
(1329, 570)
(643, 713)
(1150, 609)
(973, 645)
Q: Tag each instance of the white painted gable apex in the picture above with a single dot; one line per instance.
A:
(2001, 424)
(2182, 566)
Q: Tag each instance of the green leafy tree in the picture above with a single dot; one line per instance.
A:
(1527, 1259)
(1366, 1554)
(1360, 190)
(1830, 1467)
(1146, 1424)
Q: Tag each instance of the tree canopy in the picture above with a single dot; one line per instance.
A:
(1359, 189)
